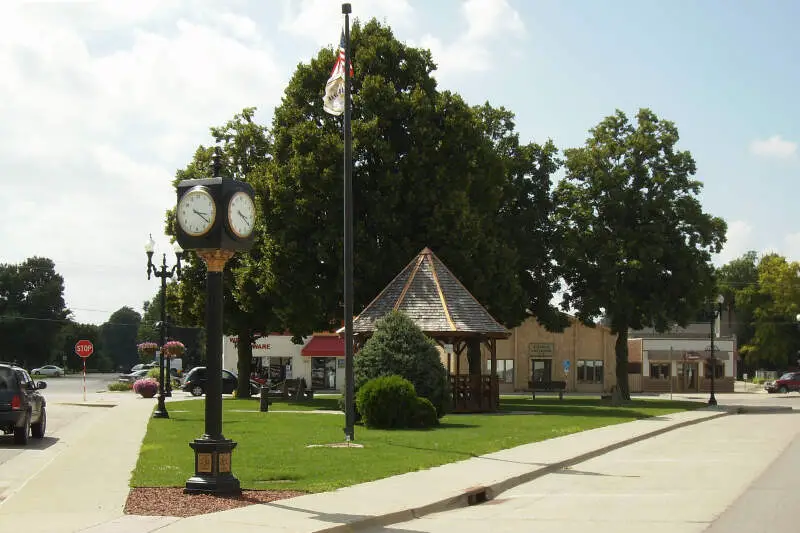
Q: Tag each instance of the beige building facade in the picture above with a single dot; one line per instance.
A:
(582, 356)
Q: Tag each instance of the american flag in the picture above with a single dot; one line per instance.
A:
(333, 101)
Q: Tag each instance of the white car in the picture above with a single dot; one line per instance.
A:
(48, 370)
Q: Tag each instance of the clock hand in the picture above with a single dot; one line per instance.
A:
(246, 220)
(201, 215)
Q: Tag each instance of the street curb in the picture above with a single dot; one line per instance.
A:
(757, 409)
(87, 404)
(480, 494)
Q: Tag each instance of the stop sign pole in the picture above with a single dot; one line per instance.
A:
(83, 349)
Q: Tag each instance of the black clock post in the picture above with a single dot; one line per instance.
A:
(215, 229)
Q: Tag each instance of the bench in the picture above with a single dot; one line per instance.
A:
(547, 386)
(295, 389)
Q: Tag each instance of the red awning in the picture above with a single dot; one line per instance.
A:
(324, 346)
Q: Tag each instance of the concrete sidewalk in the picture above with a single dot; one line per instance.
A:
(83, 480)
(85, 486)
(678, 482)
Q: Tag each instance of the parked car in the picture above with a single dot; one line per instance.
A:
(788, 382)
(133, 376)
(22, 406)
(143, 366)
(196, 382)
(48, 370)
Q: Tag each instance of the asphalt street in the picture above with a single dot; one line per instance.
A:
(770, 503)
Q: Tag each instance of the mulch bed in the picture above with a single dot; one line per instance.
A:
(171, 501)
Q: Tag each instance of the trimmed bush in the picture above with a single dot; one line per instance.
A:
(146, 387)
(399, 347)
(120, 386)
(387, 402)
(424, 414)
(153, 373)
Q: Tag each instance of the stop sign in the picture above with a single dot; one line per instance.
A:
(84, 348)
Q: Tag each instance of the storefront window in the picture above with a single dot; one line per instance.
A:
(590, 371)
(659, 370)
(279, 368)
(720, 370)
(323, 372)
(505, 370)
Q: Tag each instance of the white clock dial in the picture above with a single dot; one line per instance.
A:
(197, 211)
(241, 214)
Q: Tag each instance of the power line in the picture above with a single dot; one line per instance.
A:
(148, 323)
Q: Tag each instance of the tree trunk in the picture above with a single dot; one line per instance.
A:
(621, 350)
(474, 357)
(244, 352)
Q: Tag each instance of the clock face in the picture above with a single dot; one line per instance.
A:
(241, 214)
(196, 211)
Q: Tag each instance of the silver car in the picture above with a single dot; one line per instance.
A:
(133, 376)
(48, 370)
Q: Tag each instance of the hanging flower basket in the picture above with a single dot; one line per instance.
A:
(146, 387)
(173, 349)
(147, 349)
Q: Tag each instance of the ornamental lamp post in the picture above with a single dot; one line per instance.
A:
(716, 311)
(163, 273)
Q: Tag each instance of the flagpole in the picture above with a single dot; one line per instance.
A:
(349, 430)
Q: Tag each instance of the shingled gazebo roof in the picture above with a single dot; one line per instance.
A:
(434, 299)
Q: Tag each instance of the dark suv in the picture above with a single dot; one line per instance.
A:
(22, 407)
(196, 382)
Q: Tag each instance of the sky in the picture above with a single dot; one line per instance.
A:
(101, 102)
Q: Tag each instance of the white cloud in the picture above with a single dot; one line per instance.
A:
(740, 240)
(792, 249)
(775, 146)
(94, 128)
(487, 21)
(313, 19)
(489, 18)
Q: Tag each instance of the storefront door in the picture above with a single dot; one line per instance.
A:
(541, 370)
(687, 377)
(323, 373)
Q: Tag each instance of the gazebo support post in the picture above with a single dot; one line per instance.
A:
(495, 385)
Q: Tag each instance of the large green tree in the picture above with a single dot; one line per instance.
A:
(737, 281)
(243, 144)
(773, 303)
(70, 334)
(191, 336)
(635, 243)
(32, 311)
(118, 338)
(428, 170)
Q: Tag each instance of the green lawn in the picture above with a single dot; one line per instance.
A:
(272, 451)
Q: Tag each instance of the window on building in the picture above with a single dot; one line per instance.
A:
(720, 370)
(634, 368)
(590, 371)
(505, 370)
(659, 370)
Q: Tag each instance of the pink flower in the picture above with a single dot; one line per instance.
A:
(147, 387)
(173, 348)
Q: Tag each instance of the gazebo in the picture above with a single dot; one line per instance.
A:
(445, 310)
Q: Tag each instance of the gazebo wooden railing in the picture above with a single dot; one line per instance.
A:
(474, 393)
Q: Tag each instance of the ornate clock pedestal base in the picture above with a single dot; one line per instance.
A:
(212, 468)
